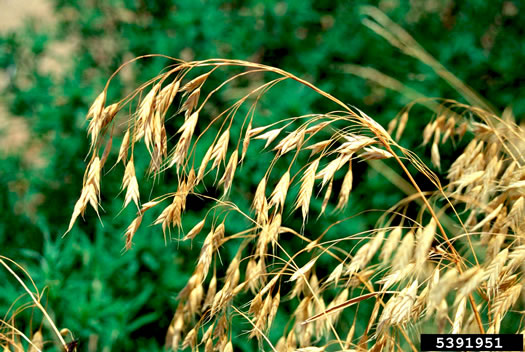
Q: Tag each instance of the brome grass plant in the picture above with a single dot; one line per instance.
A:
(463, 279)
(445, 260)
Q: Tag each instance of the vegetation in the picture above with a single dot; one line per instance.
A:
(325, 223)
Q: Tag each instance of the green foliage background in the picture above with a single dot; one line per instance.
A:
(125, 301)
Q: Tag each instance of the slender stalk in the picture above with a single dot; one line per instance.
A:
(36, 301)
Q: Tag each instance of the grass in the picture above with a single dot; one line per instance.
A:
(441, 260)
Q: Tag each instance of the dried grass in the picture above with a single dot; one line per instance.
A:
(418, 274)
(485, 180)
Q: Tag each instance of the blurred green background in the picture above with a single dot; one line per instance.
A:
(56, 55)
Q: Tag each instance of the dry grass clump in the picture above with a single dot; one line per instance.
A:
(14, 339)
(424, 272)
(419, 276)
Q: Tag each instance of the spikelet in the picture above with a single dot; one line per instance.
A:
(227, 177)
(375, 244)
(152, 132)
(221, 298)
(95, 115)
(439, 290)
(270, 136)
(504, 301)
(435, 158)
(123, 152)
(303, 311)
(301, 272)
(300, 287)
(398, 309)
(492, 215)
(402, 124)
(183, 144)
(328, 172)
(144, 113)
(392, 125)
(346, 188)
(195, 83)
(273, 309)
(461, 129)
(428, 132)
(131, 185)
(290, 142)
(459, 317)
(273, 230)
(96, 109)
(397, 276)
(246, 141)
(449, 128)
(107, 150)
(252, 275)
(306, 190)
(372, 124)
(108, 114)
(211, 244)
(260, 195)
(494, 271)
(336, 273)
(252, 132)
(90, 191)
(171, 215)
(318, 127)
(391, 243)
(402, 311)
(204, 164)
(516, 258)
(174, 335)
(424, 241)
(191, 339)
(512, 185)
(359, 260)
(468, 281)
(233, 273)
(278, 195)
(210, 293)
(132, 229)
(404, 252)
(195, 230)
(317, 147)
(218, 236)
(374, 153)
(516, 213)
(263, 240)
(218, 153)
(166, 96)
(37, 342)
(93, 178)
(326, 198)
(261, 317)
(191, 102)
(354, 143)
(468, 179)
(228, 347)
